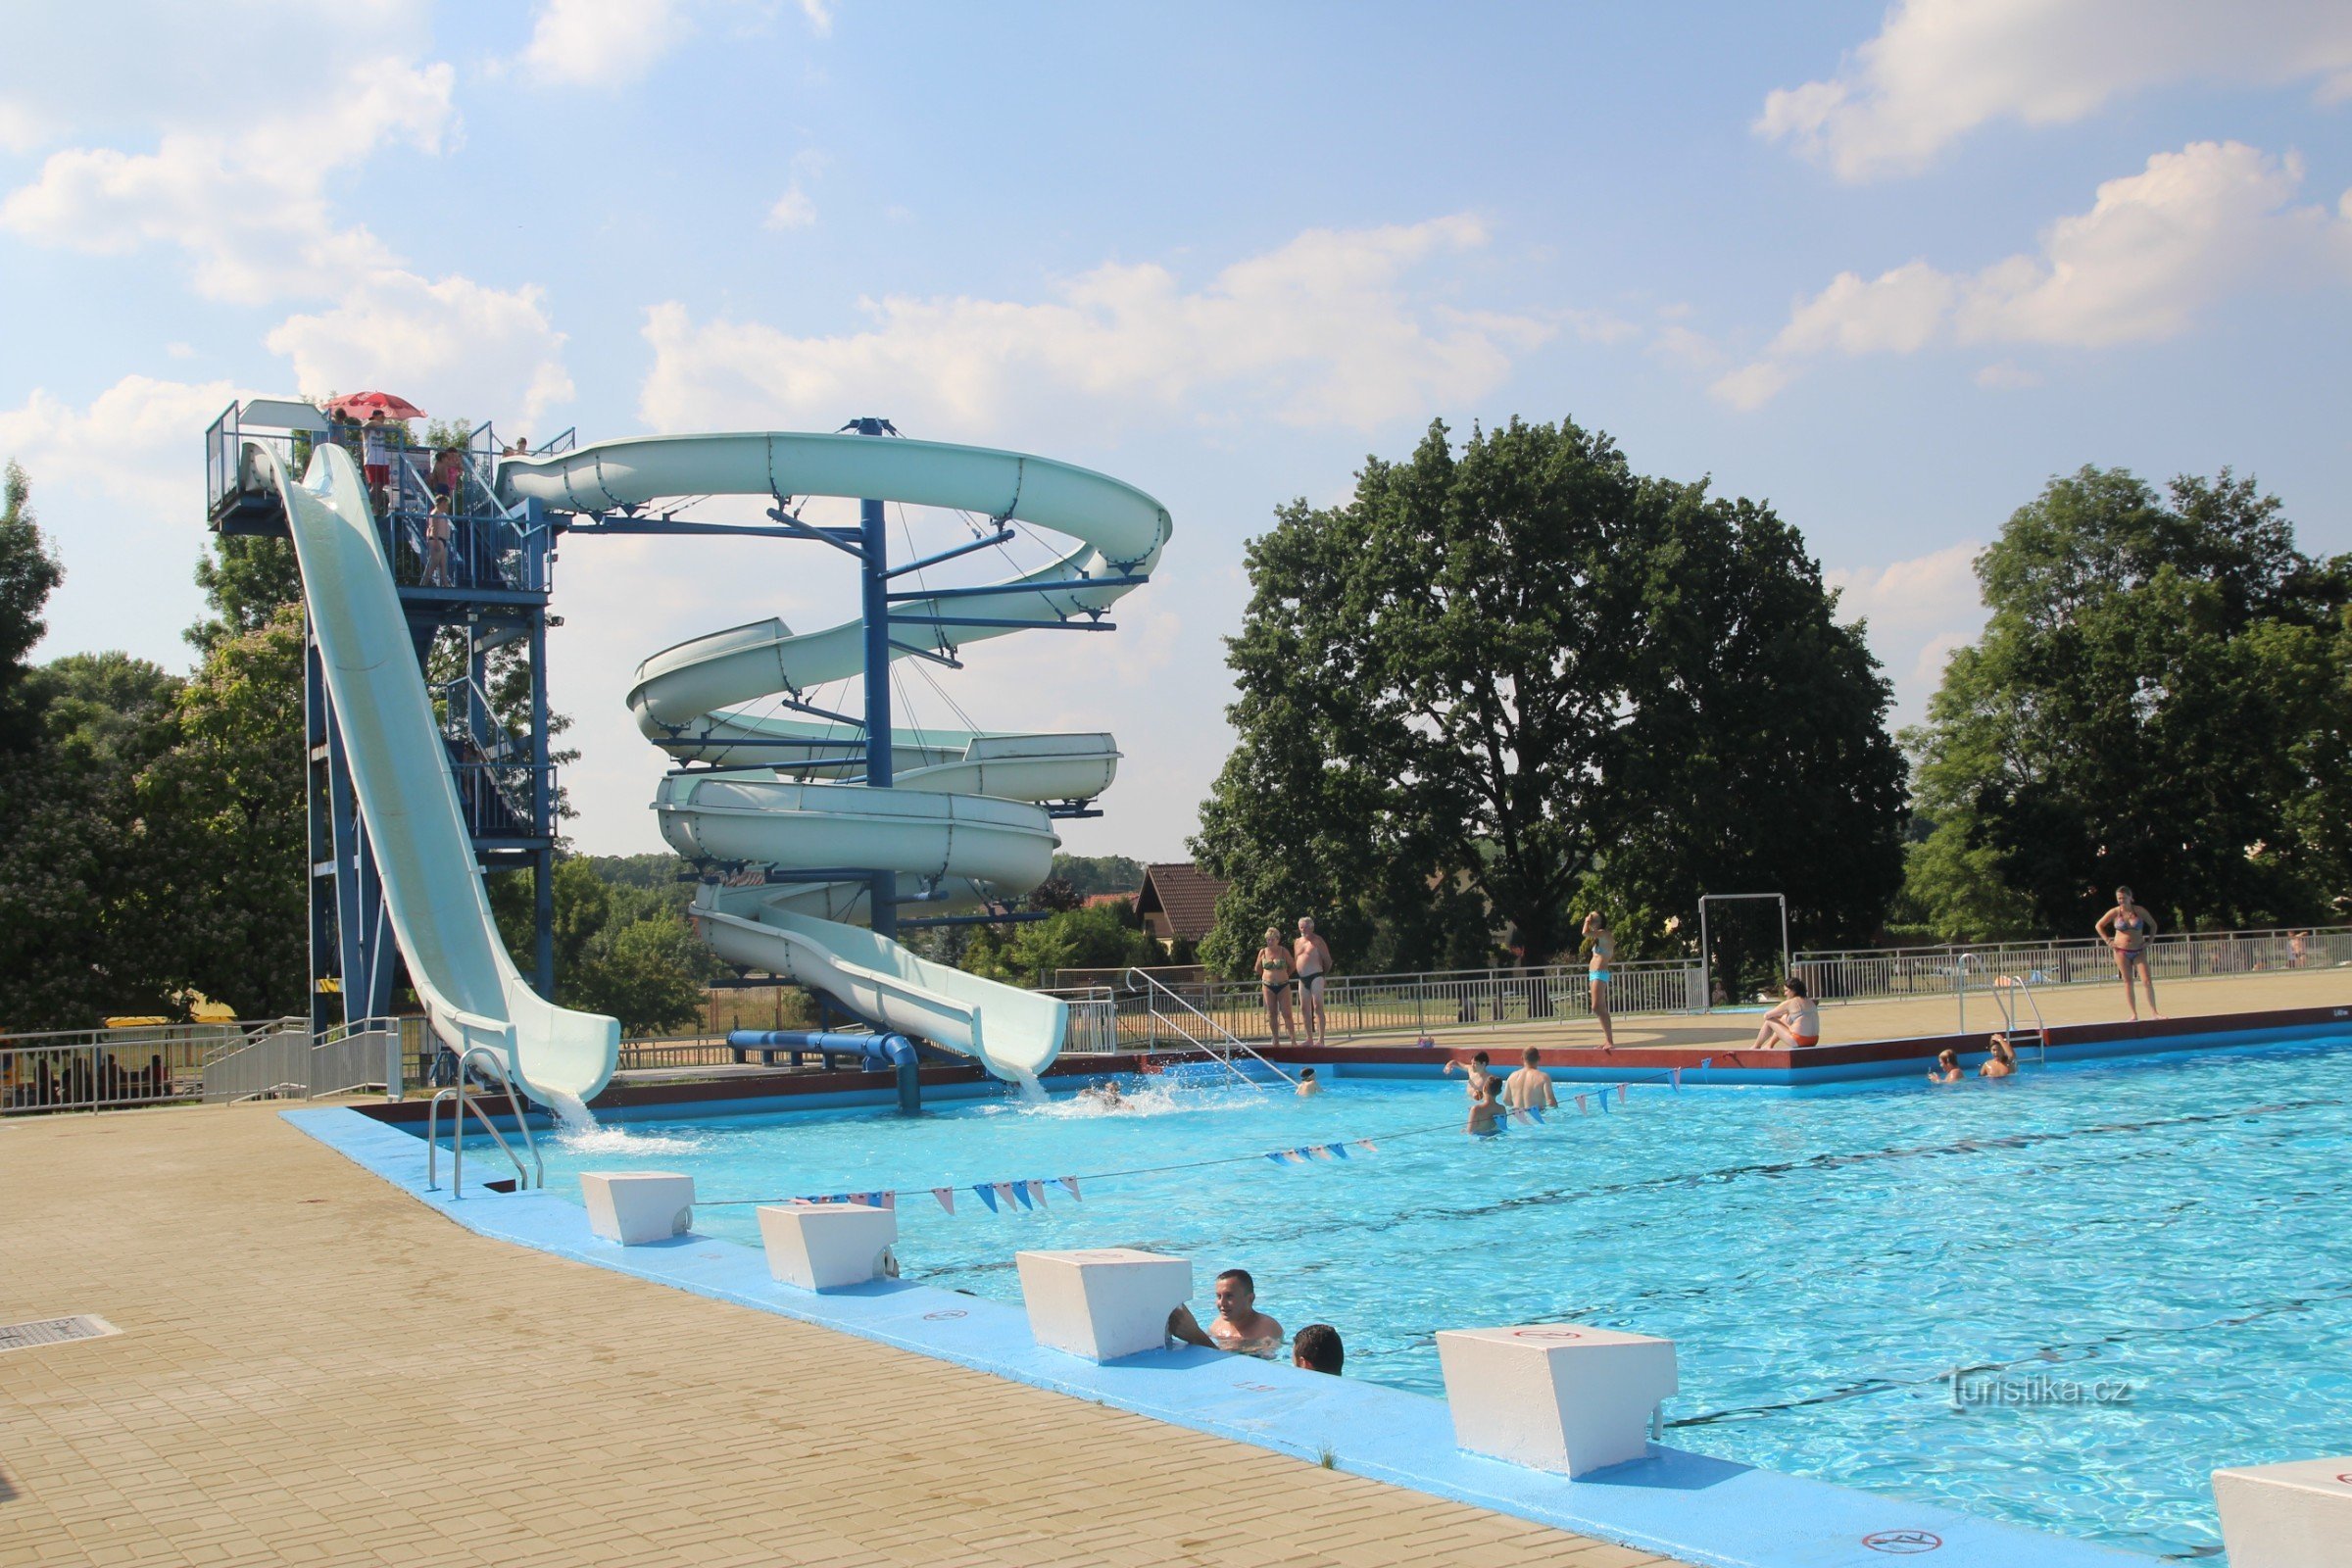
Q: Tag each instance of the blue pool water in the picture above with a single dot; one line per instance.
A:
(2169, 1228)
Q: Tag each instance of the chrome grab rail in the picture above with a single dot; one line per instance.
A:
(457, 1162)
(2003, 985)
(1234, 1041)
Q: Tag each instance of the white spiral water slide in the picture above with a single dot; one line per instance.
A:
(962, 820)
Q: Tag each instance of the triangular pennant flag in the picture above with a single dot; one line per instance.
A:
(945, 1196)
(1318, 1152)
(1623, 1090)
(803, 1203)
(871, 1199)
(1338, 1150)
(1367, 1146)
(1535, 1114)
(1072, 1182)
(1580, 1110)
(1007, 1192)
(1037, 1190)
(889, 1201)
(1604, 1102)
(1278, 1156)
(1674, 1076)
(988, 1194)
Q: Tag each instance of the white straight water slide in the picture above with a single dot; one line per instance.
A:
(962, 817)
(400, 773)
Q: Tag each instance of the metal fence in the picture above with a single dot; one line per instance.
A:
(289, 1064)
(1394, 1004)
(1879, 974)
(94, 1070)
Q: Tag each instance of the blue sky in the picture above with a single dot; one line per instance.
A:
(1888, 268)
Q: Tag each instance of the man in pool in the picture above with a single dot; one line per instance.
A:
(1317, 1348)
(1309, 1087)
(1239, 1326)
(1531, 1086)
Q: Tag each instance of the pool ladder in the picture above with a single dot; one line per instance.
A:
(524, 1179)
(2008, 991)
(1153, 989)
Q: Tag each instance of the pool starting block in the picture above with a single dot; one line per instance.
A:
(1102, 1302)
(1557, 1397)
(2292, 1515)
(637, 1206)
(827, 1247)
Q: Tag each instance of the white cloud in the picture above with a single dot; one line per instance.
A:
(793, 209)
(1323, 330)
(250, 210)
(2006, 375)
(600, 43)
(134, 443)
(21, 129)
(1939, 69)
(820, 16)
(1751, 386)
(453, 345)
(1918, 612)
(1897, 312)
(2155, 251)
(1687, 347)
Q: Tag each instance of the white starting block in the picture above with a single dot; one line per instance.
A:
(637, 1206)
(2293, 1515)
(827, 1247)
(1555, 1396)
(1104, 1302)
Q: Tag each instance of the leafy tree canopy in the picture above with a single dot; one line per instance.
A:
(1509, 682)
(2162, 698)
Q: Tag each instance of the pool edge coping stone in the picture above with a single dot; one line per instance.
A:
(1712, 1512)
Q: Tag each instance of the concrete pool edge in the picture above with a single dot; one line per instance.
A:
(1702, 1510)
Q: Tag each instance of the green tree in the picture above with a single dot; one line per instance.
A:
(1508, 680)
(1030, 952)
(622, 945)
(2159, 699)
(28, 574)
(227, 833)
(1099, 873)
(246, 580)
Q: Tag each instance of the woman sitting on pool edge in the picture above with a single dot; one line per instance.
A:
(1794, 1022)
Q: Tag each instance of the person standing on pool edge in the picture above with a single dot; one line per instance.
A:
(1603, 948)
(2127, 928)
(1313, 959)
(1275, 971)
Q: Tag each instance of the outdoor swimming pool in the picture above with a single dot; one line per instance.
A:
(2138, 1267)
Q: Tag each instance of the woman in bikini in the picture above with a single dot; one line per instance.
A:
(1794, 1023)
(2127, 928)
(1603, 949)
(1275, 970)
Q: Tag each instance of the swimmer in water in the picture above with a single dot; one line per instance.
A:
(1104, 1094)
(1530, 1088)
(2003, 1062)
(1239, 1326)
(1946, 1070)
(1309, 1087)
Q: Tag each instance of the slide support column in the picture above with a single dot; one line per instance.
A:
(883, 888)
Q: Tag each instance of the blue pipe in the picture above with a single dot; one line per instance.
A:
(875, 1052)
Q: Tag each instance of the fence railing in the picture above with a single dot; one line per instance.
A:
(1891, 973)
(1394, 1004)
(95, 1069)
(289, 1064)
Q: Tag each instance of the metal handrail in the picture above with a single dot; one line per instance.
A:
(457, 1161)
(1960, 986)
(2022, 985)
(1236, 1041)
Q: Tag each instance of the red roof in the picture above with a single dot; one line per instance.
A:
(1183, 896)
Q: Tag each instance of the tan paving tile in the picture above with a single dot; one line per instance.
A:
(315, 1369)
